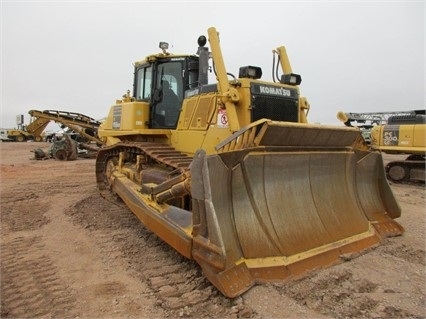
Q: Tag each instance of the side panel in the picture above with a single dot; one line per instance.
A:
(400, 138)
(197, 112)
(127, 116)
(203, 112)
(419, 136)
(187, 112)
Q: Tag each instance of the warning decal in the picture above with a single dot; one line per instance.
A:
(222, 119)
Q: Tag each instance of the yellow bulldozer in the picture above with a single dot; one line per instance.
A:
(231, 175)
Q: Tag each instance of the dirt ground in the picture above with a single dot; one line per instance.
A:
(68, 253)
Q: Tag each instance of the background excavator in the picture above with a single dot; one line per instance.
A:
(365, 121)
(83, 131)
(82, 124)
(231, 174)
(402, 132)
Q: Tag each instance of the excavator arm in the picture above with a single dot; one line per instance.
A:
(82, 124)
(37, 126)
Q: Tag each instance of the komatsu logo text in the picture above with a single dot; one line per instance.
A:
(274, 90)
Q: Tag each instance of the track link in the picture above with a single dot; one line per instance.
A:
(171, 160)
(411, 170)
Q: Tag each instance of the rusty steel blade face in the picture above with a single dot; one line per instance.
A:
(274, 215)
(284, 204)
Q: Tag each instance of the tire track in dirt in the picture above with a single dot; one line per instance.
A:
(402, 251)
(341, 287)
(30, 286)
(30, 283)
(136, 274)
(340, 294)
(177, 283)
(23, 213)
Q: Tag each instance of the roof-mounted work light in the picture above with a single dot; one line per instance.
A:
(251, 72)
(164, 46)
(291, 79)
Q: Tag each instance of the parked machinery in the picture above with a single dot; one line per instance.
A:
(82, 124)
(231, 174)
(365, 121)
(405, 134)
(397, 132)
(32, 131)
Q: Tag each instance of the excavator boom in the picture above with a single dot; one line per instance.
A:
(80, 123)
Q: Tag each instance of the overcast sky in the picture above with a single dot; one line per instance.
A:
(76, 56)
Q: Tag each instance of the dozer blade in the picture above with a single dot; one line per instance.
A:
(293, 198)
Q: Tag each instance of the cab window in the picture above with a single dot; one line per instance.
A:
(143, 83)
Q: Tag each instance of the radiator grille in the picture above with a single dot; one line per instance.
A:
(274, 108)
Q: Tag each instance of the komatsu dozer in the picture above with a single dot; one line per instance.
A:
(231, 175)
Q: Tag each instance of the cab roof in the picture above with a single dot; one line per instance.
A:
(162, 56)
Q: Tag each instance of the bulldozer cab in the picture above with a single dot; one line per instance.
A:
(162, 83)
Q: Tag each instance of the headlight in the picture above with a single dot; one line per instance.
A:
(291, 79)
(251, 72)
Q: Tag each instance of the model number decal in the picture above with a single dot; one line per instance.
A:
(390, 135)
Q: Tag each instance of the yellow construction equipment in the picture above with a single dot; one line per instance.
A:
(396, 132)
(404, 134)
(231, 174)
(365, 121)
(79, 123)
(32, 131)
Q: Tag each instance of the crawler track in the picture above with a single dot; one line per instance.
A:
(177, 283)
(154, 154)
(409, 171)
